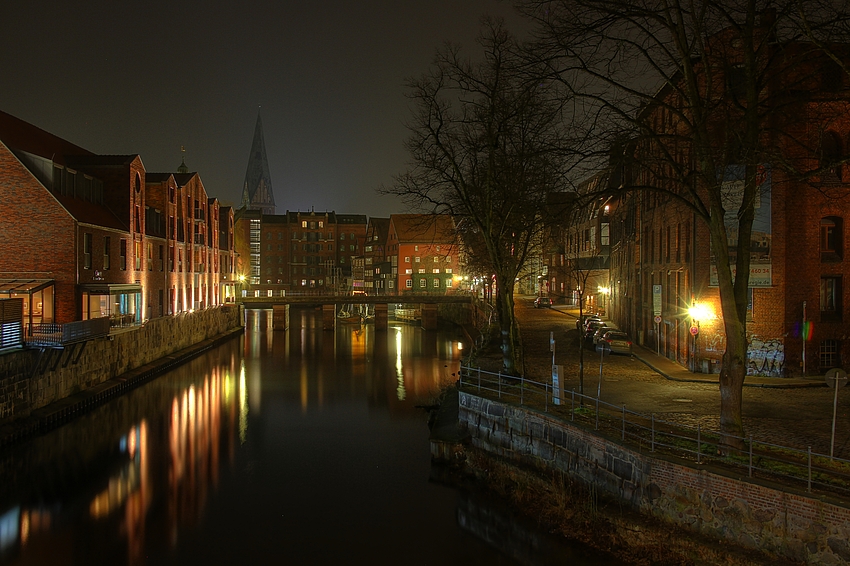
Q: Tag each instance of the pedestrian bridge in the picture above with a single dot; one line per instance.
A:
(427, 306)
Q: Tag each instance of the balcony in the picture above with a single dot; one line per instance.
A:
(54, 335)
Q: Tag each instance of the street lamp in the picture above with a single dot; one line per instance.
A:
(697, 312)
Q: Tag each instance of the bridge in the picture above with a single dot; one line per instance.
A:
(427, 305)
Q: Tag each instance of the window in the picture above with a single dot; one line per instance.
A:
(448, 282)
(416, 259)
(416, 248)
(436, 283)
(448, 259)
(830, 238)
(409, 283)
(436, 259)
(137, 255)
(303, 223)
(423, 283)
(122, 254)
(86, 251)
(829, 354)
(831, 155)
(107, 244)
(830, 298)
(435, 271)
(407, 259)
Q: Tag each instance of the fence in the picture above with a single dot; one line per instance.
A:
(63, 334)
(793, 466)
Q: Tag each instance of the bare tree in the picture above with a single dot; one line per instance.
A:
(487, 143)
(735, 77)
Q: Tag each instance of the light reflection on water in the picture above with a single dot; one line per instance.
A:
(314, 428)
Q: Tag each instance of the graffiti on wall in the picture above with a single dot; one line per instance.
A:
(765, 357)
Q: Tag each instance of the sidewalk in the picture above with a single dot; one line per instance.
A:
(676, 372)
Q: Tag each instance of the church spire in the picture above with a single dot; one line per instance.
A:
(257, 191)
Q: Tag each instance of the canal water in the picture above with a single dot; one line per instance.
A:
(297, 447)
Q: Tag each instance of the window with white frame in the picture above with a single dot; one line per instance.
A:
(423, 283)
(408, 283)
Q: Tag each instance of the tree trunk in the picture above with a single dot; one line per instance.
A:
(507, 324)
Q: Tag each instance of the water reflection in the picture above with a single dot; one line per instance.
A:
(275, 441)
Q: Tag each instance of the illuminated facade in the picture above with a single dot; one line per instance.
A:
(90, 236)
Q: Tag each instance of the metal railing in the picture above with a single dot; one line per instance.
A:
(801, 468)
(49, 334)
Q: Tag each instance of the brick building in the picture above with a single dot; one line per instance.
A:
(663, 279)
(86, 236)
(425, 249)
(298, 252)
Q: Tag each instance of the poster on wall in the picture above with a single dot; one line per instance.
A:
(760, 241)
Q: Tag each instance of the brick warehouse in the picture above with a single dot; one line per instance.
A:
(89, 236)
(660, 254)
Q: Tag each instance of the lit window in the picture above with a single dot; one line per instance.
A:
(423, 283)
(448, 282)
(435, 270)
(303, 223)
(417, 258)
(407, 259)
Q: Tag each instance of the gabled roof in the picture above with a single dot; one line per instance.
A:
(100, 160)
(423, 228)
(17, 134)
(91, 213)
(381, 227)
(151, 178)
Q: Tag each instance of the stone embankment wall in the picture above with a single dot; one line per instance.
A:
(783, 523)
(32, 379)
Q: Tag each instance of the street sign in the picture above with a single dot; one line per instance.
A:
(656, 301)
(557, 384)
(836, 377)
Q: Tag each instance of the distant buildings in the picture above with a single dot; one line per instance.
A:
(88, 236)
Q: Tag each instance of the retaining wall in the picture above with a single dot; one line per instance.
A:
(31, 379)
(781, 522)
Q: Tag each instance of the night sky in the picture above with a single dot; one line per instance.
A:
(146, 78)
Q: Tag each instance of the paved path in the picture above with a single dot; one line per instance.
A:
(788, 412)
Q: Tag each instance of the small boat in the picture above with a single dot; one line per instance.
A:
(347, 317)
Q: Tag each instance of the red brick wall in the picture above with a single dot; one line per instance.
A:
(38, 235)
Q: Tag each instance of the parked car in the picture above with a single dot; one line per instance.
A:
(597, 336)
(581, 321)
(591, 328)
(542, 303)
(616, 341)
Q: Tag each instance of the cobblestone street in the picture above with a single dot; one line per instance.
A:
(795, 413)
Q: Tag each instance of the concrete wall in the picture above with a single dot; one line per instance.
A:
(752, 515)
(30, 379)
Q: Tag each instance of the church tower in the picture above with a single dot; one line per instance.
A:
(257, 191)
